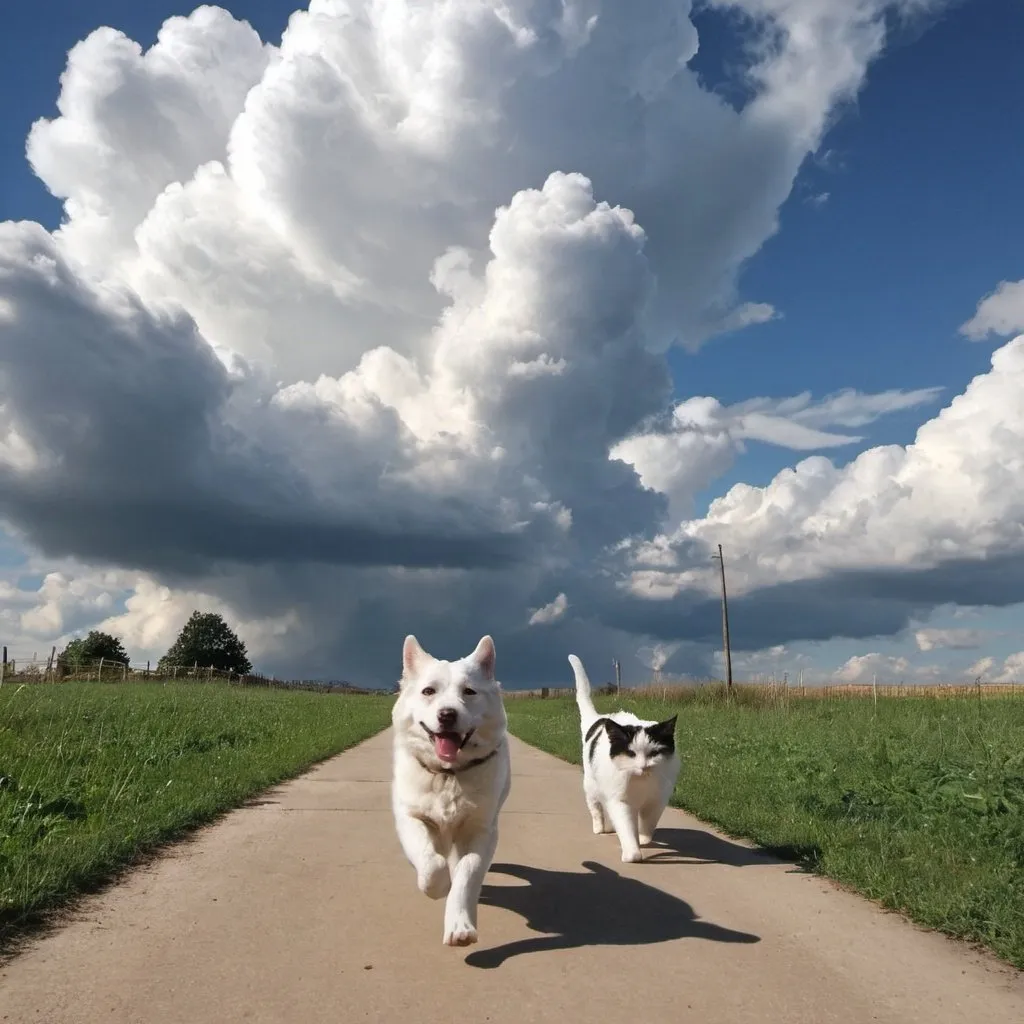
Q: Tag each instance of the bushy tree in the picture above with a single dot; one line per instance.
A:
(86, 650)
(206, 640)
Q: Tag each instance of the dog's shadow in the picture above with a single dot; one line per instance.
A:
(598, 908)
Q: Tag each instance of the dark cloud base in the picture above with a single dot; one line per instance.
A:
(848, 605)
(185, 537)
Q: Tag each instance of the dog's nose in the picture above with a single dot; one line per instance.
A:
(447, 717)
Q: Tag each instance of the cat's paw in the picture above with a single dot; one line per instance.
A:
(632, 857)
(434, 879)
(460, 932)
(602, 829)
(646, 840)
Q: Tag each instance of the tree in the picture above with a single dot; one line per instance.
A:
(207, 640)
(89, 649)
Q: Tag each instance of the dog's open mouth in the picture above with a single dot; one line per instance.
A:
(447, 744)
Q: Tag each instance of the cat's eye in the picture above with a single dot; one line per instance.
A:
(469, 692)
(428, 691)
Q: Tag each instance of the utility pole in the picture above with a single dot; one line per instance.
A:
(618, 677)
(727, 649)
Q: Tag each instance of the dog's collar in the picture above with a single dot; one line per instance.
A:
(475, 763)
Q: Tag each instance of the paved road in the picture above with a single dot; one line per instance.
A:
(299, 909)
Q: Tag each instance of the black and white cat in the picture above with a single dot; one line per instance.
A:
(629, 769)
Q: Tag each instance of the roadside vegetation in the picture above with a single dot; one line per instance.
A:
(916, 803)
(94, 776)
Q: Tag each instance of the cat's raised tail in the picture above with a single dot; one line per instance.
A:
(583, 699)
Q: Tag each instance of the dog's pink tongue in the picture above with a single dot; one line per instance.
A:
(446, 747)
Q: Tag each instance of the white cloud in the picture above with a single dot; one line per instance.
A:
(154, 615)
(948, 639)
(339, 335)
(778, 662)
(866, 668)
(952, 494)
(144, 614)
(748, 315)
(551, 612)
(1011, 670)
(704, 437)
(656, 656)
(1000, 313)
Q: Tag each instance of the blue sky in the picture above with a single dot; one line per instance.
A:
(922, 219)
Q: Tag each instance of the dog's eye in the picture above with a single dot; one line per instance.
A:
(428, 691)
(469, 692)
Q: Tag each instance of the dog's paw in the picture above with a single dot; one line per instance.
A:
(434, 879)
(460, 932)
(633, 857)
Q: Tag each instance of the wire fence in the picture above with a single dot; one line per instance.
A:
(758, 691)
(780, 692)
(53, 669)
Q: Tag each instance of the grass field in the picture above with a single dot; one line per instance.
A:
(94, 775)
(919, 805)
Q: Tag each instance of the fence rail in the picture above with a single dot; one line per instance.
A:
(52, 671)
(771, 692)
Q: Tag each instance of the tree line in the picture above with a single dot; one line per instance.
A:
(205, 640)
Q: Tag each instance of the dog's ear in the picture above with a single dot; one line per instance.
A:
(484, 656)
(413, 656)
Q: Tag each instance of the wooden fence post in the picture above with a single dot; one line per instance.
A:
(99, 672)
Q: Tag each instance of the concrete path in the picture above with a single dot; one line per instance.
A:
(300, 909)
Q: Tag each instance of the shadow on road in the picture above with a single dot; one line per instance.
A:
(695, 846)
(598, 908)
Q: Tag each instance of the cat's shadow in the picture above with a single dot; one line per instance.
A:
(695, 846)
(598, 907)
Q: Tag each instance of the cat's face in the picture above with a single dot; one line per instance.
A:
(640, 748)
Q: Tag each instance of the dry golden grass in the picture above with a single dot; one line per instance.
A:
(773, 693)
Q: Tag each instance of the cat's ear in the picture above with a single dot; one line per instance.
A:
(616, 731)
(620, 737)
(665, 731)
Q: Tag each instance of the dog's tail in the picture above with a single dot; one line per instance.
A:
(583, 699)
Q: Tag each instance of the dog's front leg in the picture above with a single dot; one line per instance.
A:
(474, 858)
(420, 846)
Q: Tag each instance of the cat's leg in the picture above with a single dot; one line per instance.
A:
(594, 805)
(623, 818)
(653, 808)
(649, 816)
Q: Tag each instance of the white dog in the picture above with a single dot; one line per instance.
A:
(451, 776)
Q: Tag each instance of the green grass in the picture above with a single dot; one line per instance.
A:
(919, 806)
(93, 776)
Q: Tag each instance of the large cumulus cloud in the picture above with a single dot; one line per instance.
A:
(364, 333)
(858, 550)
